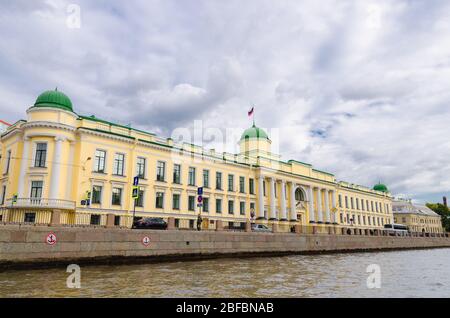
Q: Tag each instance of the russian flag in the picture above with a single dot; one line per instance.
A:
(250, 112)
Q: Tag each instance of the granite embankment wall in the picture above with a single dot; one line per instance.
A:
(27, 245)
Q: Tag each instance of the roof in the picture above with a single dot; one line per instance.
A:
(407, 207)
(4, 123)
(54, 99)
(254, 132)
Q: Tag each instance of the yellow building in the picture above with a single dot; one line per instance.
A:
(419, 218)
(82, 169)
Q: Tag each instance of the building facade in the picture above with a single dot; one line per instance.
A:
(82, 168)
(419, 218)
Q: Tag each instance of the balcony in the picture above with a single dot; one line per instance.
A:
(40, 203)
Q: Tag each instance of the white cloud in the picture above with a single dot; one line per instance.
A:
(358, 88)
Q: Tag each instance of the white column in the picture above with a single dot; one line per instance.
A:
(273, 212)
(312, 217)
(24, 164)
(283, 216)
(333, 206)
(260, 214)
(327, 206)
(56, 169)
(319, 206)
(293, 214)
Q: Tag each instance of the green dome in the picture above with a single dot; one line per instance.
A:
(54, 99)
(380, 187)
(254, 132)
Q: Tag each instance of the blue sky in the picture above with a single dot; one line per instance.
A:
(357, 88)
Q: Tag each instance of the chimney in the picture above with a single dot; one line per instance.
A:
(445, 201)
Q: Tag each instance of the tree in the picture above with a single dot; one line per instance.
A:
(443, 211)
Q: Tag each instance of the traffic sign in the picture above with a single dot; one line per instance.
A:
(200, 191)
(199, 199)
(14, 199)
(136, 181)
(199, 205)
(50, 239)
(135, 193)
(145, 241)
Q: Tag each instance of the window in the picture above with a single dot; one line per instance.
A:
(341, 218)
(364, 219)
(351, 202)
(230, 182)
(177, 173)
(8, 161)
(191, 203)
(340, 202)
(95, 219)
(140, 199)
(362, 204)
(176, 201)
(3, 195)
(242, 208)
(159, 204)
(230, 207)
(160, 171)
(371, 204)
(36, 189)
(251, 186)
(119, 159)
(41, 155)
(117, 220)
(219, 180)
(346, 202)
(191, 178)
(242, 184)
(218, 206)
(140, 167)
(252, 207)
(264, 188)
(205, 204)
(99, 162)
(367, 205)
(357, 204)
(206, 178)
(116, 196)
(96, 195)
(30, 217)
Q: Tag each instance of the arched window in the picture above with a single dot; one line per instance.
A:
(299, 195)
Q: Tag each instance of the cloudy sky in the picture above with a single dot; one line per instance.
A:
(357, 88)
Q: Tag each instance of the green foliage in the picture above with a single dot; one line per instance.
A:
(443, 211)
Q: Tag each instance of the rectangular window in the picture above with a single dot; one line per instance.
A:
(367, 205)
(230, 182)
(230, 207)
(351, 202)
(251, 186)
(116, 196)
(362, 204)
(96, 195)
(177, 173)
(140, 167)
(95, 219)
(219, 180)
(346, 202)
(191, 203)
(3, 195)
(364, 219)
(161, 171)
(159, 204)
(41, 155)
(218, 206)
(117, 220)
(140, 199)
(242, 208)
(99, 162)
(341, 218)
(340, 202)
(371, 204)
(176, 201)
(30, 217)
(242, 184)
(119, 160)
(8, 161)
(36, 189)
(264, 188)
(191, 177)
(205, 204)
(357, 204)
(206, 178)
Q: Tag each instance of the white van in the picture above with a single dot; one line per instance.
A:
(396, 229)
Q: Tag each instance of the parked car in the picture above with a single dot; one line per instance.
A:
(260, 228)
(150, 223)
(396, 229)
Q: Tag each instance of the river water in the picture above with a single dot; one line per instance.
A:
(417, 273)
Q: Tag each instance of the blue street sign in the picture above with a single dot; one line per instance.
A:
(200, 191)
(136, 181)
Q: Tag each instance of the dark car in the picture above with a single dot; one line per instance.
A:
(150, 223)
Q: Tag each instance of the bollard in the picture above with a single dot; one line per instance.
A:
(110, 220)
(274, 228)
(298, 229)
(248, 226)
(219, 225)
(56, 218)
(171, 224)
